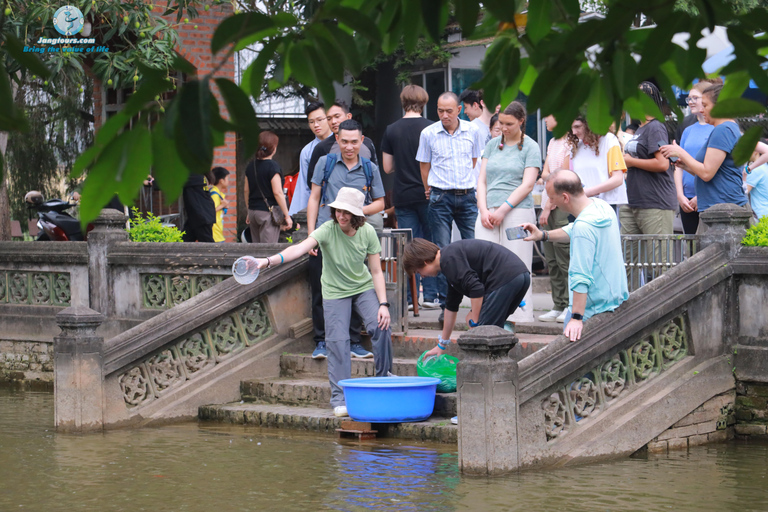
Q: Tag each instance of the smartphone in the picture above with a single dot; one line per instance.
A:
(663, 143)
(517, 233)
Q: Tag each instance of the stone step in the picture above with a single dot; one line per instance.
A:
(302, 366)
(322, 420)
(316, 391)
(543, 328)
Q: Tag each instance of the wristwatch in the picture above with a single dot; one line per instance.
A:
(384, 304)
(577, 316)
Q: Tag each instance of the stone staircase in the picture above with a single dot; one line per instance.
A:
(299, 398)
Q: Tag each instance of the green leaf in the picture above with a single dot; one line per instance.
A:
(180, 63)
(736, 107)
(168, 169)
(26, 60)
(529, 77)
(300, 66)
(359, 22)
(100, 185)
(624, 69)
(11, 117)
(466, 12)
(434, 14)
(194, 140)
(253, 78)
(744, 148)
(539, 22)
(137, 162)
(241, 113)
(324, 81)
(734, 86)
(599, 115)
(237, 27)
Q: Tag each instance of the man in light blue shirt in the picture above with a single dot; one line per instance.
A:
(596, 275)
(318, 123)
(448, 151)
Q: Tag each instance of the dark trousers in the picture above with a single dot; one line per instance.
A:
(318, 314)
(198, 233)
(690, 222)
(502, 302)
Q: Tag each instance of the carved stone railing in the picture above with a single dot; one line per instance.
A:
(638, 370)
(198, 351)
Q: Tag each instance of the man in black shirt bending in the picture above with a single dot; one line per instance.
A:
(491, 275)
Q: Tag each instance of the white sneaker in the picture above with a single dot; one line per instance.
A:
(340, 411)
(431, 305)
(552, 316)
(455, 420)
(561, 317)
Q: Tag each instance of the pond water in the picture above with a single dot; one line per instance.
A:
(223, 468)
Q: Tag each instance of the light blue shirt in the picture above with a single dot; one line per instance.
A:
(340, 177)
(758, 196)
(597, 262)
(301, 192)
(450, 155)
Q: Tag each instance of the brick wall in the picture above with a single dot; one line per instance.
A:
(195, 46)
(751, 408)
(26, 361)
(711, 422)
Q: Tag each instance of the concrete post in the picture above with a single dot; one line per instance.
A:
(487, 387)
(109, 228)
(78, 371)
(726, 224)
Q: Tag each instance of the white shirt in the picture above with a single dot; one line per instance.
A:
(450, 155)
(595, 169)
(301, 191)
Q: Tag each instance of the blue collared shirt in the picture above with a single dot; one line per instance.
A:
(301, 192)
(450, 155)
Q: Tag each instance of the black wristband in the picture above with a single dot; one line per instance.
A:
(384, 304)
(544, 236)
(577, 316)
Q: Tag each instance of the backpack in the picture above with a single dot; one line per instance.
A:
(330, 164)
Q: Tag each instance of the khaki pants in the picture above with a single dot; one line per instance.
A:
(558, 258)
(640, 257)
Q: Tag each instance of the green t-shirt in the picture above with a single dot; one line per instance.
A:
(504, 170)
(344, 270)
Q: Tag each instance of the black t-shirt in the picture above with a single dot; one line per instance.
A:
(646, 189)
(475, 268)
(401, 140)
(198, 204)
(329, 145)
(259, 173)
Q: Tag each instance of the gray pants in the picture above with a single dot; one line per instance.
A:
(337, 314)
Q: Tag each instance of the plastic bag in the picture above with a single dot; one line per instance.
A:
(442, 367)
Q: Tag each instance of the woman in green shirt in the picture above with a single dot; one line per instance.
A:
(508, 172)
(347, 283)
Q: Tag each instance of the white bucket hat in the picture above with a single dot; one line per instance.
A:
(351, 200)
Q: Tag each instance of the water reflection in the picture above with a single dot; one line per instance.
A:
(212, 467)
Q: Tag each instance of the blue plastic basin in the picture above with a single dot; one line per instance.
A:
(390, 399)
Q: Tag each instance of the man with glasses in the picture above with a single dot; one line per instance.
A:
(318, 123)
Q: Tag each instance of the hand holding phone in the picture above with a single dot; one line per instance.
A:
(672, 159)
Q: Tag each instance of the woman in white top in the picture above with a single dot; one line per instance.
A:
(599, 162)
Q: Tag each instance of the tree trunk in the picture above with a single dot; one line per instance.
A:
(5, 203)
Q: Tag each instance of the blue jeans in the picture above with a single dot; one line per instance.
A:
(446, 207)
(416, 218)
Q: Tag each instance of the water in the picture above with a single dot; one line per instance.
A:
(245, 270)
(222, 468)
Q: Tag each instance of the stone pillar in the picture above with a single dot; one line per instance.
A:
(78, 371)
(109, 227)
(726, 224)
(487, 386)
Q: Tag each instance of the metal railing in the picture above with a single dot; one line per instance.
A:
(646, 257)
(392, 245)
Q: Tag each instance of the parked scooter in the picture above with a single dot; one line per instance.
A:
(53, 222)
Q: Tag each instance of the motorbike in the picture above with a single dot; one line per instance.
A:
(52, 220)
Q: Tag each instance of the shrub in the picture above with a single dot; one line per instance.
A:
(757, 235)
(150, 229)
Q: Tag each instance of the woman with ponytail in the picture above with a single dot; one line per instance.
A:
(264, 191)
(508, 171)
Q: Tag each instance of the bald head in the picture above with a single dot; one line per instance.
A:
(565, 181)
(449, 96)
